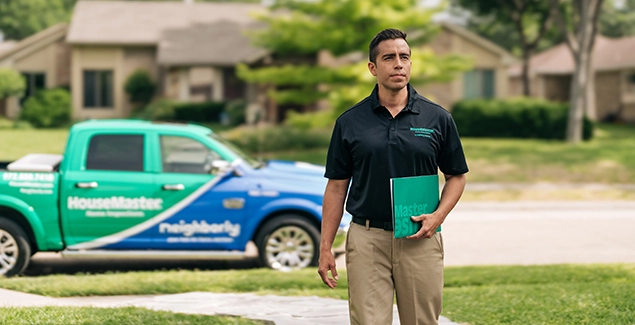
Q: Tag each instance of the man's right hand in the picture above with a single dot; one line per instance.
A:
(327, 263)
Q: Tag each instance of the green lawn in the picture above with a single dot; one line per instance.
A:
(109, 316)
(550, 294)
(15, 143)
(609, 158)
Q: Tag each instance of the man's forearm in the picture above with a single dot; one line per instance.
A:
(332, 210)
(452, 191)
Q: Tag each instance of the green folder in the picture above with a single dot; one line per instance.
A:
(412, 196)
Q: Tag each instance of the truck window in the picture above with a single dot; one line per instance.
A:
(186, 155)
(115, 152)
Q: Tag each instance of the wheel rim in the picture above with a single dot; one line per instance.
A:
(8, 252)
(289, 247)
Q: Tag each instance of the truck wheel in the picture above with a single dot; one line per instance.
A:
(14, 248)
(288, 242)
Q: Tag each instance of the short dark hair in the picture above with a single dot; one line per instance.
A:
(386, 34)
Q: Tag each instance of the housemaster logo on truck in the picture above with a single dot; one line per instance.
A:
(137, 205)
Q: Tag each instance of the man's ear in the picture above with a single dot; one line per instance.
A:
(372, 68)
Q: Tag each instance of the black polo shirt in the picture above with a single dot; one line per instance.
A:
(371, 147)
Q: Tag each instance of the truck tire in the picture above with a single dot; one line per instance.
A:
(15, 250)
(288, 242)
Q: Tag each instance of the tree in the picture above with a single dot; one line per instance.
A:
(22, 18)
(530, 21)
(618, 18)
(11, 83)
(298, 30)
(580, 40)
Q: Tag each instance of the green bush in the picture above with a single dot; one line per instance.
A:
(139, 87)
(236, 112)
(278, 138)
(199, 112)
(514, 118)
(47, 108)
(11, 83)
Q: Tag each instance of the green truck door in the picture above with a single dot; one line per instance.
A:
(111, 192)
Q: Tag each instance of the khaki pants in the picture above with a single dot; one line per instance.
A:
(379, 266)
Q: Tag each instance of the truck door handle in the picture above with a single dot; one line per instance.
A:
(87, 185)
(173, 187)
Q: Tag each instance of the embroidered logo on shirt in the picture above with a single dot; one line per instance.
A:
(422, 132)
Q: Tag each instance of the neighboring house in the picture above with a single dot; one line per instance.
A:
(44, 60)
(614, 66)
(191, 49)
(488, 77)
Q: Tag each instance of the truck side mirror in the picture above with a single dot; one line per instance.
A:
(220, 166)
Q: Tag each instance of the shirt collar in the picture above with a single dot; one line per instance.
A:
(410, 107)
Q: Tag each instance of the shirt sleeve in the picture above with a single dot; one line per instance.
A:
(451, 158)
(339, 164)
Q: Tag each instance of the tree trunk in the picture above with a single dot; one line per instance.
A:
(581, 44)
(525, 73)
(591, 110)
(577, 101)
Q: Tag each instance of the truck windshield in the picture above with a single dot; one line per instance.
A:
(246, 158)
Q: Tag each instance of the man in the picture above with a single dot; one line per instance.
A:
(372, 142)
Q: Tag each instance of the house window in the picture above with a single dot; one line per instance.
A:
(34, 81)
(98, 88)
(479, 83)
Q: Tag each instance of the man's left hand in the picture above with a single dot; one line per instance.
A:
(429, 225)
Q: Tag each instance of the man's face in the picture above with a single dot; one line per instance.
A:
(392, 67)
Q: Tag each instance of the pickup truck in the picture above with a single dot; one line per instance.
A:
(138, 189)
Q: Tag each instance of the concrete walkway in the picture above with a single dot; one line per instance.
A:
(275, 309)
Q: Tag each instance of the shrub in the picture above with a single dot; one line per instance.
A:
(236, 112)
(47, 108)
(278, 138)
(199, 112)
(514, 118)
(11, 83)
(140, 87)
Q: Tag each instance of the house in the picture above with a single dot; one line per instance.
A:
(488, 76)
(191, 49)
(44, 61)
(613, 63)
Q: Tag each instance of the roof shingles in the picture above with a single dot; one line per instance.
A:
(608, 54)
(142, 23)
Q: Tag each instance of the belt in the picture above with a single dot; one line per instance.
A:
(373, 223)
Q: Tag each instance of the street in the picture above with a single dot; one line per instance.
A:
(524, 233)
